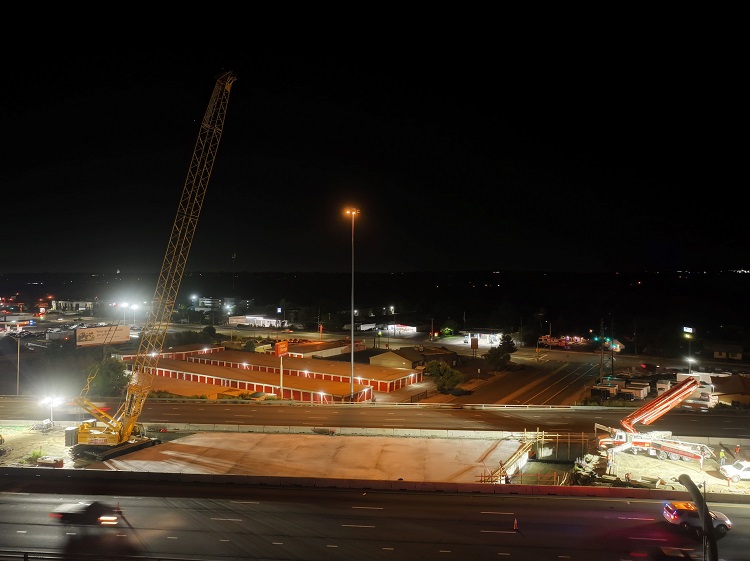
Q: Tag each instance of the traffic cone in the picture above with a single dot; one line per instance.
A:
(118, 509)
(515, 524)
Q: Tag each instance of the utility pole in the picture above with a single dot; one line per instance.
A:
(234, 256)
(549, 341)
(601, 350)
(18, 366)
(612, 348)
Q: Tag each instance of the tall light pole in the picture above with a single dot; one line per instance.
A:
(353, 212)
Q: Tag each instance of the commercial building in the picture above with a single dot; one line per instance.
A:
(312, 380)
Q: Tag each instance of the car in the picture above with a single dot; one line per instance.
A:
(737, 471)
(92, 513)
(687, 516)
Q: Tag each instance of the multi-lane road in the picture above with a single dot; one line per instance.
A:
(233, 522)
(466, 417)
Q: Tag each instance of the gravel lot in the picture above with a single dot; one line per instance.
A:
(22, 443)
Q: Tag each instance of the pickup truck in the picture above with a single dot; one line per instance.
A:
(739, 470)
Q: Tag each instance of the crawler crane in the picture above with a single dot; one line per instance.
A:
(109, 436)
(657, 443)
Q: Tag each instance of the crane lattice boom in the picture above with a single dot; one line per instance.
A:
(117, 429)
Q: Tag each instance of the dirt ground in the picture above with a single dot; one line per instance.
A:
(24, 444)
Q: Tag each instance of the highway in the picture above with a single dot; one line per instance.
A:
(418, 416)
(233, 523)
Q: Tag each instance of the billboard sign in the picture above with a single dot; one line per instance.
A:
(98, 336)
(282, 347)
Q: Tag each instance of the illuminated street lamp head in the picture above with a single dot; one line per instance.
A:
(51, 401)
(352, 211)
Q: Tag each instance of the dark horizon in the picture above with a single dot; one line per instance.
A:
(709, 302)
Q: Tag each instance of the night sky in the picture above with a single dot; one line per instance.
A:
(517, 157)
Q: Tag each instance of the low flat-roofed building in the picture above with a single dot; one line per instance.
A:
(213, 380)
(304, 379)
(381, 379)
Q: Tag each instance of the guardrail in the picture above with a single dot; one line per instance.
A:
(273, 402)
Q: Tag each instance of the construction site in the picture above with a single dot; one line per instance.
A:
(118, 441)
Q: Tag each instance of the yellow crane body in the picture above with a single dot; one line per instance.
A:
(122, 427)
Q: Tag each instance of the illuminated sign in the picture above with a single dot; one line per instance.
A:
(282, 347)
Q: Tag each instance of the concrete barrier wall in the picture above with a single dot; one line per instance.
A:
(343, 431)
(61, 476)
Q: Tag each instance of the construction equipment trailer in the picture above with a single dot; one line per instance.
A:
(108, 436)
(657, 443)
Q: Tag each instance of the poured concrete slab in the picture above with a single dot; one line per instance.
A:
(344, 457)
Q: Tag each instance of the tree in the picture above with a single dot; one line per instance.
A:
(249, 346)
(450, 327)
(188, 337)
(108, 378)
(446, 378)
(508, 345)
(498, 357)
